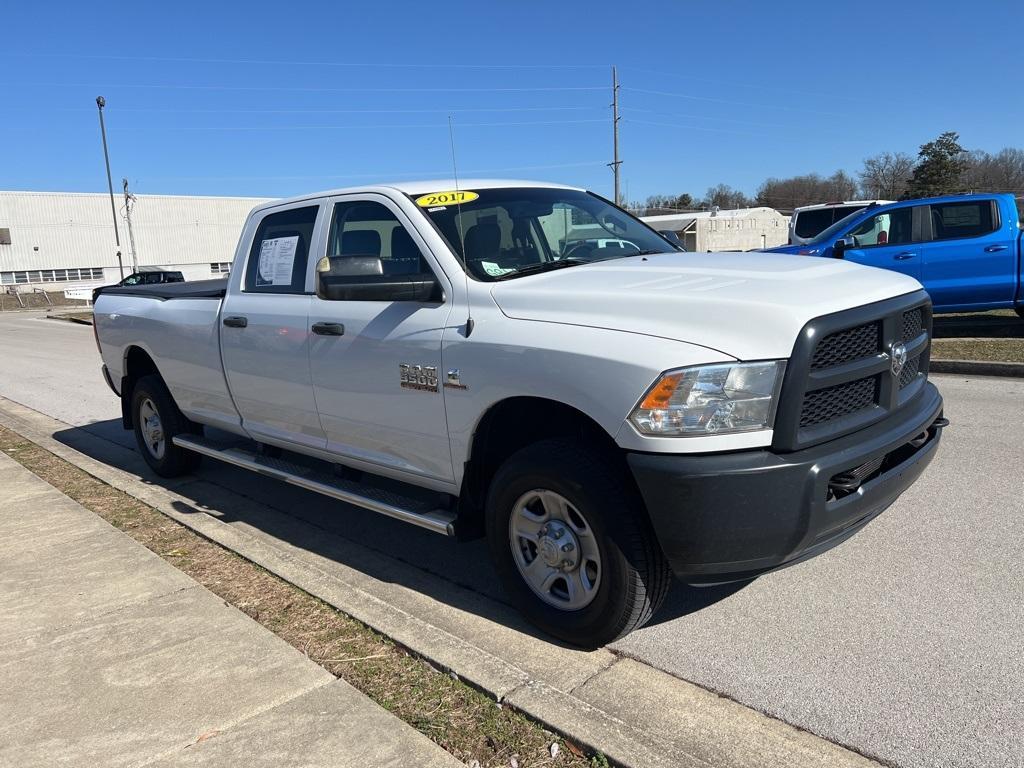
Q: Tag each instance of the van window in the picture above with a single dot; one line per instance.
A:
(812, 222)
(967, 219)
(277, 258)
(821, 219)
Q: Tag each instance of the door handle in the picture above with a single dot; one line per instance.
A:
(328, 329)
(904, 256)
(996, 248)
(236, 321)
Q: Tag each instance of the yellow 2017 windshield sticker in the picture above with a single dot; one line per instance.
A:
(452, 197)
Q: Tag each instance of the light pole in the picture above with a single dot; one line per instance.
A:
(100, 104)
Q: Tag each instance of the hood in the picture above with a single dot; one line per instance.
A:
(750, 306)
(797, 248)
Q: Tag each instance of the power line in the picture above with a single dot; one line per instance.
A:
(279, 62)
(405, 174)
(295, 89)
(730, 83)
(164, 110)
(693, 127)
(713, 100)
(349, 127)
(689, 116)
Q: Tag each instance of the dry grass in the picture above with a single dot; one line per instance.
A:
(459, 718)
(998, 350)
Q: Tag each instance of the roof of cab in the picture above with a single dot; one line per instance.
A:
(422, 188)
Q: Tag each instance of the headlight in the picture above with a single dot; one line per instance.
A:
(711, 399)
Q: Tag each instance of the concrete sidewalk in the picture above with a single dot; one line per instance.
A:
(111, 657)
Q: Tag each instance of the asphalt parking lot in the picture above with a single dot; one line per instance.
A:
(904, 643)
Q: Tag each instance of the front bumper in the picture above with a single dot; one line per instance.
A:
(731, 516)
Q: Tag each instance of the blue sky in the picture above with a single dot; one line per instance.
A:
(274, 99)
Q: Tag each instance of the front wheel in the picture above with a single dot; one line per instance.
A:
(572, 545)
(157, 420)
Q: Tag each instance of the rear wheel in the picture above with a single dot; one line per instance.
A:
(157, 421)
(571, 544)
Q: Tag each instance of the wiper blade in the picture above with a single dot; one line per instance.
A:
(543, 266)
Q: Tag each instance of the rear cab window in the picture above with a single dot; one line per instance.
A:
(280, 250)
(971, 218)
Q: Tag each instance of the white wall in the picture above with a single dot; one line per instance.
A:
(53, 230)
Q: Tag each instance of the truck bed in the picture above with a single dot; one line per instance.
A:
(197, 289)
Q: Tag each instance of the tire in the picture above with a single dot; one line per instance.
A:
(584, 603)
(1019, 311)
(151, 398)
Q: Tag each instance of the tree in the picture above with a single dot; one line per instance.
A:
(725, 197)
(1001, 172)
(811, 188)
(660, 204)
(886, 176)
(940, 164)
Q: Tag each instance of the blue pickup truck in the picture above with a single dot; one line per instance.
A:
(965, 249)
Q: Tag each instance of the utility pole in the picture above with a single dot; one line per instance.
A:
(614, 165)
(129, 203)
(100, 104)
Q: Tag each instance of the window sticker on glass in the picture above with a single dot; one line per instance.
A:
(494, 270)
(451, 197)
(277, 260)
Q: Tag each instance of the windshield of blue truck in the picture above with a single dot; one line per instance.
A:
(829, 235)
(510, 232)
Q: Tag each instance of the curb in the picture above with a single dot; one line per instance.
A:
(977, 368)
(68, 319)
(636, 715)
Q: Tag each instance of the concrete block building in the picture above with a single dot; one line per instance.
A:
(744, 229)
(60, 240)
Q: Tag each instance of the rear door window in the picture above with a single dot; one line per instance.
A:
(277, 258)
(974, 218)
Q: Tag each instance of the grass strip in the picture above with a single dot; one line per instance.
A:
(457, 717)
(995, 350)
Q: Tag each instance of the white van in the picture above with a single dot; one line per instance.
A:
(809, 221)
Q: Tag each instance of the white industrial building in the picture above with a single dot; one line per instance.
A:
(60, 240)
(744, 229)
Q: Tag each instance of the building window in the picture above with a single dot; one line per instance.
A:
(51, 276)
(5, 236)
(220, 267)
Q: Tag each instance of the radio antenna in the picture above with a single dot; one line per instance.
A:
(462, 236)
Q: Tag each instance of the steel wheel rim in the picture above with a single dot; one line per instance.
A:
(152, 429)
(555, 550)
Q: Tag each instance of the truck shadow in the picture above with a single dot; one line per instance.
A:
(979, 325)
(457, 574)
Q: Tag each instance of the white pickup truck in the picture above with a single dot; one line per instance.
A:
(529, 362)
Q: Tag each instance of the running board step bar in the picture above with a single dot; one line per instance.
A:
(374, 499)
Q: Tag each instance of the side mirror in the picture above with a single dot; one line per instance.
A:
(841, 246)
(421, 287)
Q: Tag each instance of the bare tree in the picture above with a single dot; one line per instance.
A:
(725, 197)
(885, 176)
(811, 188)
(1001, 172)
(659, 204)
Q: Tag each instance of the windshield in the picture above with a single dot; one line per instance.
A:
(508, 232)
(826, 237)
